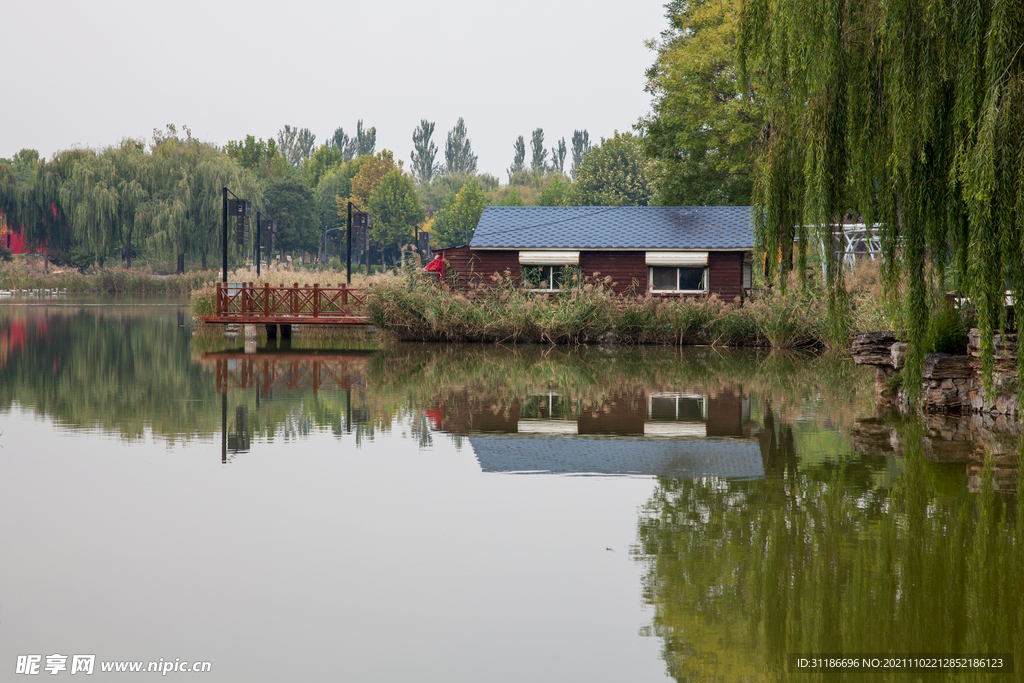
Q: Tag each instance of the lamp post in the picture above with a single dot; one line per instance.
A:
(325, 239)
(240, 208)
(362, 221)
(272, 224)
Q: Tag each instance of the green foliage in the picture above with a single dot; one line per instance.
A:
(296, 144)
(325, 159)
(511, 198)
(518, 159)
(557, 193)
(458, 151)
(908, 116)
(558, 153)
(335, 183)
(580, 148)
(454, 224)
(345, 145)
(703, 126)
(435, 196)
(290, 202)
(538, 153)
(424, 152)
(396, 211)
(261, 157)
(366, 139)
(614, 173)
(5, 254)
(946, 331)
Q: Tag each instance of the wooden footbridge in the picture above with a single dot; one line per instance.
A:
(246, 303)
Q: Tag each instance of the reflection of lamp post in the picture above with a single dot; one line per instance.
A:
(325, 240)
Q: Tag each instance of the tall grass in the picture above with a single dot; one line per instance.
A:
(16, 275)
(412, 306)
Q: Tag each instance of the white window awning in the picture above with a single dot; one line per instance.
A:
(549, 258)
(677, 258)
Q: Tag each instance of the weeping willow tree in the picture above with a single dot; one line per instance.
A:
(105, 196)
(908, 115)
(29, 196)
(188, 178)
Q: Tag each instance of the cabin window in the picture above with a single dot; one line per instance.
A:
(543, 278)
(679, 279)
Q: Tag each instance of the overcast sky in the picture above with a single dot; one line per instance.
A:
(89, 73)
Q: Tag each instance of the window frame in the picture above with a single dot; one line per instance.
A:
(551, 279)
(677, 290)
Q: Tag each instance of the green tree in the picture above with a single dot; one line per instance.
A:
(334, 184)
(455, 223)
(396, 211)
(539, 158)
(614, 173)
(325, 159)
(558, 156)
(435, 196)
(557, 193)
(345, 145)
(519, 158)
(458, 151)
(423, 153)
(704, 124)
(580, 147)
(290, 202)
(366, 139)
(257, 155)
(511, 198)
(908, 116)
(296, 144)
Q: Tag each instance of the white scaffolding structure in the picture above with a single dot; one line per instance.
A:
(850, 241)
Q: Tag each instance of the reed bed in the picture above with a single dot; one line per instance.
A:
(16, 275)
(413, 307)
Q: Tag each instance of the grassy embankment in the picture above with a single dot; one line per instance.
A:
(20, 274)
(410, 306)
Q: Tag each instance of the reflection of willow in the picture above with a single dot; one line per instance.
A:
(820, 561)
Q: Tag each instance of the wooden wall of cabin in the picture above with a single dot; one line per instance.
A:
(628, 269)
(725, 274)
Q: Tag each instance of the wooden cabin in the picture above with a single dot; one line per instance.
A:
(661, 250)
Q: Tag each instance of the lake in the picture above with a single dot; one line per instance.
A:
(354, 510)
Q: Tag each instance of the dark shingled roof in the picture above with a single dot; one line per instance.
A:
(703, 228)
(684, 458)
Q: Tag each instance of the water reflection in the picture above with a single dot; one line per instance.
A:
(787, 516)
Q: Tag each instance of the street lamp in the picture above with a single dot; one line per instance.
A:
(362, 220)
(272, 224)
(239, 208)
(325, 239)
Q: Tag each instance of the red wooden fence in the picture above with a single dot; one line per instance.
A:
(243, 302)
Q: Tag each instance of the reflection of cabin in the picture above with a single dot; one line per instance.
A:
(675, 433)
(662, 250)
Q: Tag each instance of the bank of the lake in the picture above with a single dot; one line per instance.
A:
(18, 275)
(407, 305)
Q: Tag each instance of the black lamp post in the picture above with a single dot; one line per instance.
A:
(362, 220)
(272, 225)
(241, 209)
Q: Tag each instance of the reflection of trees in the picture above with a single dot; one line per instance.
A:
(121, 369)
(823, 561)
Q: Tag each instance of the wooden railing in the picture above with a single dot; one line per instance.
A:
(317, 304)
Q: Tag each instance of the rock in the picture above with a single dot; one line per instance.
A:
(873, 348)
(898, 355)
(945, 366)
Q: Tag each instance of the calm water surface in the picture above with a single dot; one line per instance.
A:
(384, 512)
